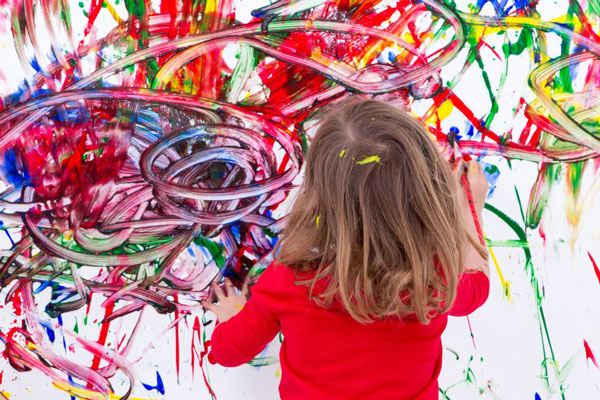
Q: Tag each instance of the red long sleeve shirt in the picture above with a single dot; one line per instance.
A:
(326, 354)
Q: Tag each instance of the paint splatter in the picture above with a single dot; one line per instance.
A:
(596, 270)
(159, 387)
(589, 355)
(369, 160)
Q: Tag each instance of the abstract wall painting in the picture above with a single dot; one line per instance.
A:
(149, 148)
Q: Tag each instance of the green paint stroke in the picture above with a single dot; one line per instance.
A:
(530, 271)
(547, 176)
(215, 250)
(574, 175)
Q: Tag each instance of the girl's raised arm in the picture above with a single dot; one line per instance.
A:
(239, 339)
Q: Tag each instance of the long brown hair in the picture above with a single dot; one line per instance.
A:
(378, 215)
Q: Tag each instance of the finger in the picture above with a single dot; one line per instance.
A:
(219, 292)
(207, 305)
(459, 171)
(475, 167)
(471, 171)
(459, 166)
(245, 290)
(481, 173)
(481, 170)
(229, 287)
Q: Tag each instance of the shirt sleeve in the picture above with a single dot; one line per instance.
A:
(241, 338)
(472, 291)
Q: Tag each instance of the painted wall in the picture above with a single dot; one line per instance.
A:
(132, 175)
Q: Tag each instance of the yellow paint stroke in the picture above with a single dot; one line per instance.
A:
(505, 284)
(115, 397)
(211, 7)
(372, 52)
(358, 64)
(31, 346)
(4, 395)
(317, 220)
(68, 235)
(440, 113)
(342, 153)
(87, 394)
(368, 160)
(113, 12)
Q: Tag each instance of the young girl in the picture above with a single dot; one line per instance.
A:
(378, 249)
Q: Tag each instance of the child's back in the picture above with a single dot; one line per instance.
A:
(364, 281)
(326, 354)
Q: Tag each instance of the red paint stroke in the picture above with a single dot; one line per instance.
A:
(535, 138)
(412, 28)
(170, 7)
(589, 355)
(103, 334)
(195, 331)
(526, 131)
(509, 135)
(176, 337)
(433, 54)
(484, 43)
(447, 94)
(89, 304)
(121, 341)
(596, 270)
(485, 132)
(471, 333)
(17, 302)
(203, 354)
(542, 232)
(186, 14)
(95, 8)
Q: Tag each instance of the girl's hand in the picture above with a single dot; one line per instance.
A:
(230, 303)
(476, 257)
(477, 182)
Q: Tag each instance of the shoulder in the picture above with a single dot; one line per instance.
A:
(478, 278)
(277, 275)
(277, 285)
